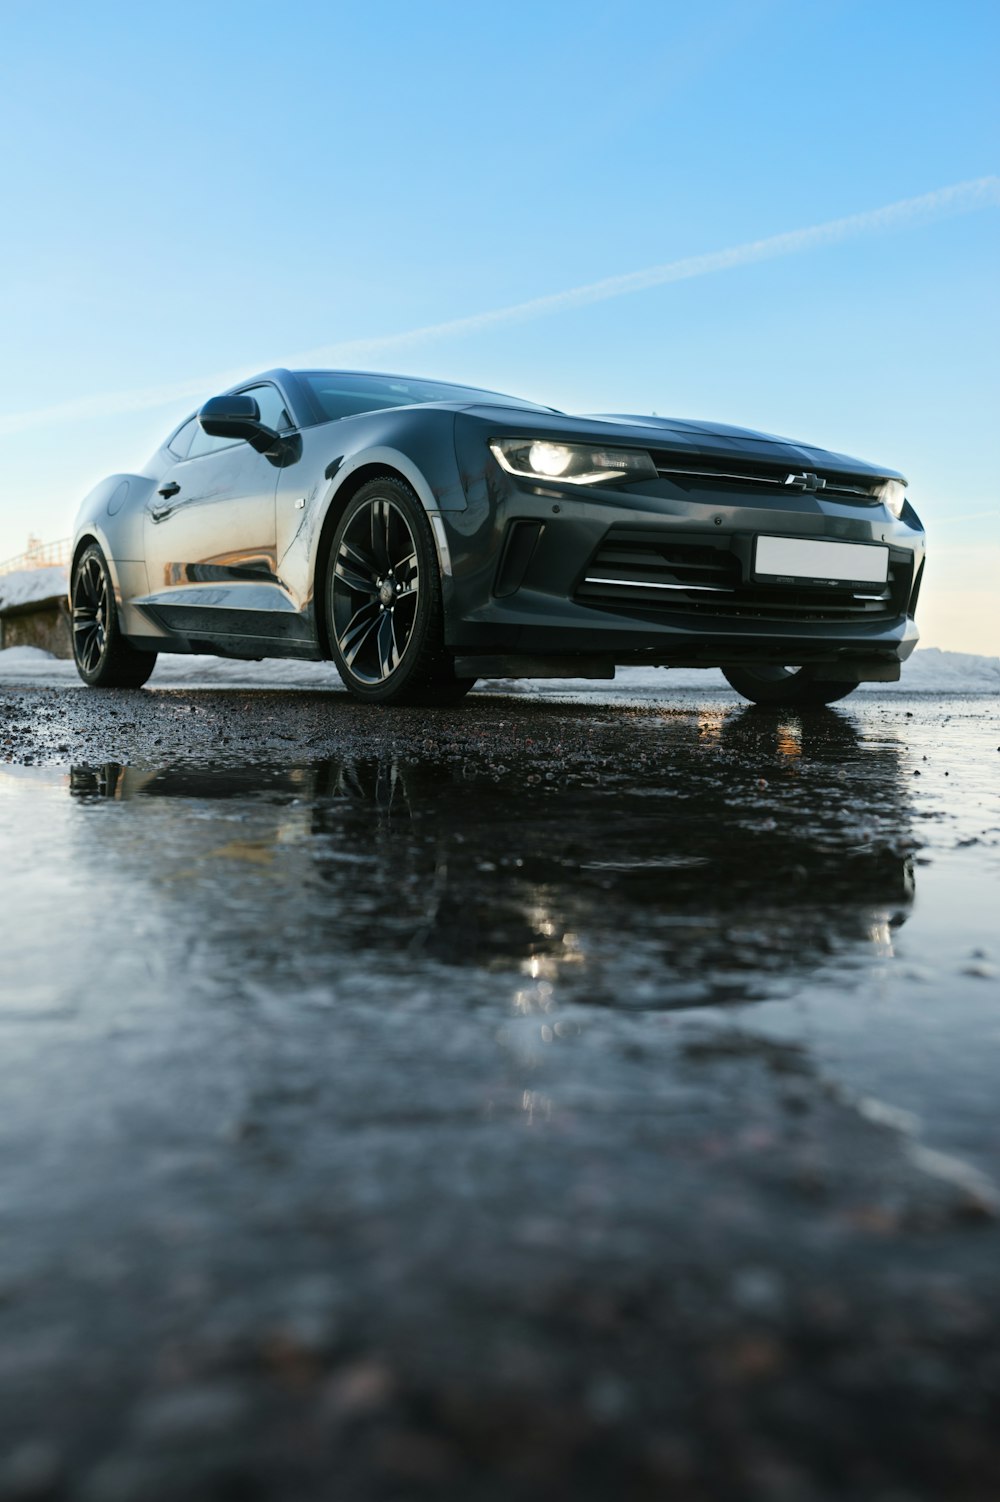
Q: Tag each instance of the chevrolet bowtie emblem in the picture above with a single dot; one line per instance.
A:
(806, 481)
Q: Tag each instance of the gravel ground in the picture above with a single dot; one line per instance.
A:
(534, 1100)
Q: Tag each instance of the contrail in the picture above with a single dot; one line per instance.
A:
(973, 516)
(959, 198)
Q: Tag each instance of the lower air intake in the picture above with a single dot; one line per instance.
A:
(651, 576)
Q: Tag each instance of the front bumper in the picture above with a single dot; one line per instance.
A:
(647, 574)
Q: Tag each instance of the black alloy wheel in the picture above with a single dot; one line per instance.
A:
(767, 683)
(104, 659)
(384, 609)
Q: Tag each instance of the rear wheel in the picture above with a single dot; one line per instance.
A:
(384, 609)
(764, 683)
(104, 659)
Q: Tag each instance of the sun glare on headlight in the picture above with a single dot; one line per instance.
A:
(573, 463)
(893, 496)
(549, 458)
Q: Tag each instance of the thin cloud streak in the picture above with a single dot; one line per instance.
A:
(969, 516)
(960, 198)
(908, 213)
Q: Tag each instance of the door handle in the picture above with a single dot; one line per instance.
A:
(168, 490)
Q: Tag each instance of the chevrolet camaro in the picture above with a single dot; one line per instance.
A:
(423, 535)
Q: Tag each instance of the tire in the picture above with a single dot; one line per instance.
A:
(384, 611)
(788, 687)
(104, 659)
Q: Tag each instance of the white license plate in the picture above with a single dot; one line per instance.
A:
(781, 558)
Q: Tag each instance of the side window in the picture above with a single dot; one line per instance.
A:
(202, 444)
(181, 441)
(273, 412)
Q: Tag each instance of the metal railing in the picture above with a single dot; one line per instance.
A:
(40, 555)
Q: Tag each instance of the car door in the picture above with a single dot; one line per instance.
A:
(209, 536)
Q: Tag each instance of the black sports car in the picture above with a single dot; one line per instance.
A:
(424, 535)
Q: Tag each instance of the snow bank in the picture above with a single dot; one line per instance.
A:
(929, 671)
(932, 671)
(271, 673)
(13, 659)
(26, 585)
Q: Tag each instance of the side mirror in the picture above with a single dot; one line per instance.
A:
(236, 416)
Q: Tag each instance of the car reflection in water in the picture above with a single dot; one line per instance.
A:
(754, 849)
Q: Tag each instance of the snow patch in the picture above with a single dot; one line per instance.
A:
(930, 670)
(272, 672)
(25, 586)
(26, 657)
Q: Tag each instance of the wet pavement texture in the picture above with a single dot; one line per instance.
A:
(534, 1099)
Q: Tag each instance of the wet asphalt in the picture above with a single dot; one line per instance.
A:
(535, 1099)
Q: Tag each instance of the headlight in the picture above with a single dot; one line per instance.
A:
(573, 463)
(892, 494)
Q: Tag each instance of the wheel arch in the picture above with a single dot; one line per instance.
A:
(374, 467)
(110, 516)
(92, 534)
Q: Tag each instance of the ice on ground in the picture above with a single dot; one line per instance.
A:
(929, 671)
(25, 586)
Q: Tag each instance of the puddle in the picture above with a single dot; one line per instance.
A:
(479, 1052)
(725, 884)
(774, 868)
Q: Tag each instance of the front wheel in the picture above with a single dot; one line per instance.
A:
(384, 609)
(793, 688)
(104, 659)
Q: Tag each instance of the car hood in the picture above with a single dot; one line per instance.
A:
(683, 436)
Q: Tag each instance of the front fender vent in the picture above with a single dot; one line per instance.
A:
(518, 550)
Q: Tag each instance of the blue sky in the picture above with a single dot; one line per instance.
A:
(194, 192)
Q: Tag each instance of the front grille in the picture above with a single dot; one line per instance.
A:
(718, 475)
(650, 575)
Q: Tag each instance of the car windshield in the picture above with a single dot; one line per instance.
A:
(342, 393)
